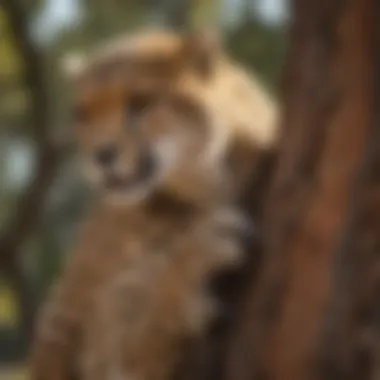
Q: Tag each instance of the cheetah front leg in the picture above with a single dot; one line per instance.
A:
(162, 301)
(54, 347)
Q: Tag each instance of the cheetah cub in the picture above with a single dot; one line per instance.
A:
(153, 129)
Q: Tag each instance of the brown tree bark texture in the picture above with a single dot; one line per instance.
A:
(314, 312)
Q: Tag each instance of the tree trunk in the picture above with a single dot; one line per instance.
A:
(314, 311)
(30, 204)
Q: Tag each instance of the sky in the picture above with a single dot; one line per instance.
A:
(272, 10)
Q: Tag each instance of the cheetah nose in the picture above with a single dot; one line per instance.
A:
(106, 156)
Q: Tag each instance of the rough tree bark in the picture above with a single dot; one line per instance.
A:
(313, 312)
(30, 203)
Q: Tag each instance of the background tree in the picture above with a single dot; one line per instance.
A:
(29, 203)
(313, 312)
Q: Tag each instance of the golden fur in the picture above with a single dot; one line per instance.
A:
(239, 119)
(134, 292)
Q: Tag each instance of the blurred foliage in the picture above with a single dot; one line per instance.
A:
(100, 20)
(258, 45)
(13, 373)
(9, 61)
(12, 96)
(8, 310)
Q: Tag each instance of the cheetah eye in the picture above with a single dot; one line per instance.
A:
(139, 104)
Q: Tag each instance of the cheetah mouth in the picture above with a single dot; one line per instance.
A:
(127, 191)
(114, 182)
(125, 184)
(144, 177)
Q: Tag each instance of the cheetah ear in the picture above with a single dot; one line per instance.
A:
(73, 65)
(200, 51)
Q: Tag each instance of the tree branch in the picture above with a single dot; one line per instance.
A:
(31, 201)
